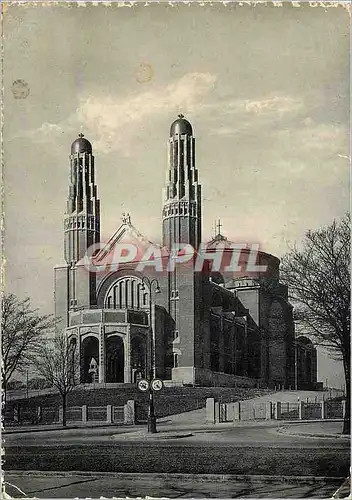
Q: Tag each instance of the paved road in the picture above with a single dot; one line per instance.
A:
(226, 450)
(169, 486)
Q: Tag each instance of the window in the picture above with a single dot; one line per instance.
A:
(175, 334)
(175, 360)
(174, 294)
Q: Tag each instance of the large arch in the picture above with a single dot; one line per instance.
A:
(89, 351)
(115, 359)
(127, 292)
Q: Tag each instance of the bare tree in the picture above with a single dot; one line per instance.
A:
(22, 328)
(318, 277)
(56, 361)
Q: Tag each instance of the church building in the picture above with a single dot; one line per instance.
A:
(128, 319)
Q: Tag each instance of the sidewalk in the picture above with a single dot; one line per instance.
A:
(322, 429)
(187, 423)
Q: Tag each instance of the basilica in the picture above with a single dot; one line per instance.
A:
(127, 319)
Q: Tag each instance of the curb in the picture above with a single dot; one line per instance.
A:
(154, 436)
(67, 428)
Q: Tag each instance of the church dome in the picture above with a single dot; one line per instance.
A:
(81, 145)
(181, 126)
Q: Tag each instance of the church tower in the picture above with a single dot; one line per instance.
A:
(182, 194)
(181, 219)
(82, 217)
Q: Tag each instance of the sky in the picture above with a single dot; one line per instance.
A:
(266, 89)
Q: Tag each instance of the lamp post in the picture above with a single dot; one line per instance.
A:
(151, 412)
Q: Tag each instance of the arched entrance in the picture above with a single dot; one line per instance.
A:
(115, 359)
(89, 351)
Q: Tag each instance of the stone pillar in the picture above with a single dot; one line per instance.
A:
(129, 412)
(277, 411)
(236, 411)
(101, 354)
(79, 368)
(322, 403)
(61, 415)
(301, 410)
(109, 414)
(268, 406)
(127, 356)
(217, 412)
(210, 411)
(343, 403)
(230, 411)
(84, 414)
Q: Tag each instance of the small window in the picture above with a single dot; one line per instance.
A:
(176, 334)
(174, 294)
(175, 360)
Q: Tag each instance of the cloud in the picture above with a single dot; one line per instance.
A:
(312, 138)
(275, 105)
(47, 132)
(238, 115)
(112, 119)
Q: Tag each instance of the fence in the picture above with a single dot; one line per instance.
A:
(109, 414)
(269, 410)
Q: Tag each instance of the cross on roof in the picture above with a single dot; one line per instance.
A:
(80, 135)
(126, 218)
(218, 227)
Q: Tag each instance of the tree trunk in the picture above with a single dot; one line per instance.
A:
(64, 404)
(4, 390)
(347, 419)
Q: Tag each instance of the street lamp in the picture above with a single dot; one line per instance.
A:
(151, 412)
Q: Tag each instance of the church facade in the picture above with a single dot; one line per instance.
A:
(128, 319)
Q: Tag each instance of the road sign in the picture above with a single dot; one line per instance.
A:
(143, 385)
(157, 384)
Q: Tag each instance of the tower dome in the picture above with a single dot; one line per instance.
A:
(181, 126)
(81, 145)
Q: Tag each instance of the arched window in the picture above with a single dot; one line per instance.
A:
(127, 292)
(89, 351)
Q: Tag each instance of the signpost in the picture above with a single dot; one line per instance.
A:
(143, 385)
(153, 385)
